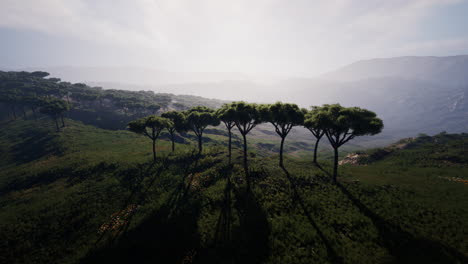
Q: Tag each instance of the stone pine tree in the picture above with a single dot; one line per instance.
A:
(151, 127)
(198, 118)
(178, 124)
(283, 116)
(227, 115)
(55, 109)
(342, 124)
(247, 117)
(312, 123)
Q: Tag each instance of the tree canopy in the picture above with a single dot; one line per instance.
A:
(341, 124)
(179, 124)
(198, 118)
(246, 118)
(313, 123)
(227, 115)
(151, 127)
(55, 108)
(283, 116)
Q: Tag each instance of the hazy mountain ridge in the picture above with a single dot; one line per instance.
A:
(443, 70)
(411, 94)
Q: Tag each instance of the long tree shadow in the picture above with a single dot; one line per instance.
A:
(402, 245)
(222, 247)
(166, 235)
(137, 194)
(251, 237)
(332, 254)
(405, 247)
(246, 241)
(36, 144)
(224, 224)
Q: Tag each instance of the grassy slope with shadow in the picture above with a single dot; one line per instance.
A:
(93, 196)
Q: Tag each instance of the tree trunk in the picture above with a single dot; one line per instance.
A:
(24, 112)
(246, 167)
(154, 150)
(56, 124)
(14, 112)
(335, 165)
(315, 150)
(200, 144)
(34, 112)
(230, 145)
(281, 152)
(63, 123)
(173, 144)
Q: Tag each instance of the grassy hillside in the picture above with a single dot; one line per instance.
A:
(91, 195)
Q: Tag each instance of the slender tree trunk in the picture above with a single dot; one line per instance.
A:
(63, 123)
(335, 165)
(200, 144)
(34, 112)
(246, 167)
(14, 112)
(230, 145)
(281, 152)
(154, 150)
(24, 112)
(173, 144)
(56, 124)
(315, 150)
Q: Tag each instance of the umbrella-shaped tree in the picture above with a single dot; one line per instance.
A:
(312, 122)
(151, 127)
(283, 117)
(227, 115)
(198, 118)
(179, 124)
(247, 117)
(341, 124)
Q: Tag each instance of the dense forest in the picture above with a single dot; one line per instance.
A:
(25, 92)
(93, 175)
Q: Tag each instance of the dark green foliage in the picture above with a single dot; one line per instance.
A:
(441, 150)
(342, 124)
(227, 115)
(283, 117)
(105, 108)
(179, 124)
(94, 198)
(90, 195)
(247, 116)
(55, 109)
(313, 123)
(198, 118)
(151, 127)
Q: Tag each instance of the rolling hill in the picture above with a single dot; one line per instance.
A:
(89, 195)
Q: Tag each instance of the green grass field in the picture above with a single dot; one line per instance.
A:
(88, 195)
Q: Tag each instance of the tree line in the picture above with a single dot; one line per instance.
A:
(337, 123)
(27, 93)
(20, 91)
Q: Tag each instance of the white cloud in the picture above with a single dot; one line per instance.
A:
(242, 35)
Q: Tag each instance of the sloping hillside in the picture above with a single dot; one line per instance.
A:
(441, 150)
(93, 196)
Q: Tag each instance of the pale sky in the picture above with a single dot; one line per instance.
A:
(297, 38)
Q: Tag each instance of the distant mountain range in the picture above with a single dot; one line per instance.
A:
(412, 94)
(442, 70)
